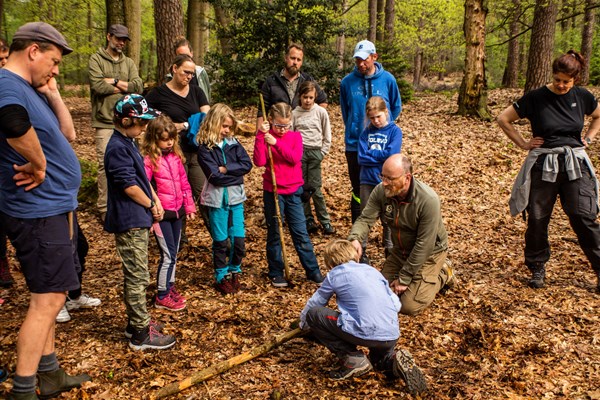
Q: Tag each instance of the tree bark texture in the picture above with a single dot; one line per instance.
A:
(539, 62)
(380, 21)
(194, 28)
(511, 71)
(417, 66)
(168, 17)
(133, 18)
(115, 13)
(372, 21)
(224, 20)
(390, 15)
(472, 98)
(587, 38)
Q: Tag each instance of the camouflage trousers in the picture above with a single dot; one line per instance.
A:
(132, 247)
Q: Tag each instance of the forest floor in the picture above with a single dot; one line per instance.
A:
(490, 338)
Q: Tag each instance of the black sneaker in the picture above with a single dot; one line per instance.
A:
(150, 338)
(316, 277)
(328, 229)
(311, 226)
(51, 384)
(404, 367)
(129, 330)
(279, 281)
(348, 371)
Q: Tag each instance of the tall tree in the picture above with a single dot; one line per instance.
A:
(380, 21)
(390, 17)
(194, 22)
(542, 40)
(133, 21)
(372, 34)
(168, 17)
(115, 13)
(472, 98)
(587, 38)
(510, 78)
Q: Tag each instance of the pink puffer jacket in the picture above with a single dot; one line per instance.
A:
(171, 183)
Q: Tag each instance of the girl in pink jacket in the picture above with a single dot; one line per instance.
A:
(163, 160)
(286, 147)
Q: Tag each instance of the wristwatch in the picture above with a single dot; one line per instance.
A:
(152, 204)
(116, 81)
(588, 140)
(186, 126)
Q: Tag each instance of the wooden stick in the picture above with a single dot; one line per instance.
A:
(286, 268)
(223, 366)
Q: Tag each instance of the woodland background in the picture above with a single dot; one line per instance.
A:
(491, 338)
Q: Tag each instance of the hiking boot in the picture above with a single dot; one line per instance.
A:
(226, 285)
(150, 338)
(130, 330)
(279, 281)
(6, 279)
(83, 301)
(404, 367)
(316, 277)
(63, 315)
(311, 226)
(235, 281)
(23, 396)
(328, 229)
(169, 303)
(348, 370)
(55, 382)
(174, 293)
(538, 273)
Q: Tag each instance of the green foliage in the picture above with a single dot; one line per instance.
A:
(259, 35)
(88, 191)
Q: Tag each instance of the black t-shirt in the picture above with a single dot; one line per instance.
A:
(177, 107)
(557, 118)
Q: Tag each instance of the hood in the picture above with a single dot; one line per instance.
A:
(104, 54)
(378, 71)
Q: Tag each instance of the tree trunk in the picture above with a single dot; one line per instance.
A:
(511, 71)
(417, 65)
(372, 20)
(380, 21)
(203, 46)
(2, 26)
(133, 18)
(115, 13)
(168, 17)
(340, 41)
(542, 41)
(587, 38)
(224, 20)
(197, 28)
(472, 98)
(390, 16)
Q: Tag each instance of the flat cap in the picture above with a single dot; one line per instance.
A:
(119, 31)
(43, 32)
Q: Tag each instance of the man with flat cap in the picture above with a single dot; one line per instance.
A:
(368, 79)
(112, 75)
(39, 180)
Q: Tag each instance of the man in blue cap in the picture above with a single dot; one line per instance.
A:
(39, 181)
(368, 79)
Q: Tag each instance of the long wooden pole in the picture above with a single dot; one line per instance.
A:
(286, 268)
(223, 366)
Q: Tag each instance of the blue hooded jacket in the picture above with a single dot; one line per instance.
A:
(374, 147)
(355, 90)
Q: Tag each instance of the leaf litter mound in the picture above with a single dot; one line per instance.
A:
(490, 338)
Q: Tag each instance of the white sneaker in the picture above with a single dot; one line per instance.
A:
(83, 301)
(63, 315)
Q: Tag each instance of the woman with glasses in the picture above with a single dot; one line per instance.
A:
(180, 101)
(557, 164)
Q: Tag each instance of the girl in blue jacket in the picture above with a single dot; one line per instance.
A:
(224, 161)
(376, 143)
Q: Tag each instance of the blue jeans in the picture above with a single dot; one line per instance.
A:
(291, 209)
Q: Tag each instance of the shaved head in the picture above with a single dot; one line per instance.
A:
(396, 175)
(398, 164)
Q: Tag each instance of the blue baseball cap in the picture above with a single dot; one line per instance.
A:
(134, 106)
(364, 49)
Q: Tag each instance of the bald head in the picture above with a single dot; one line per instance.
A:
(397, 164)
(396, 176)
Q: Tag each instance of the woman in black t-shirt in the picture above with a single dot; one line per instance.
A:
(180, 100)
(557, 163)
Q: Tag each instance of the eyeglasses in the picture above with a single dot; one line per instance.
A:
(187, 73)
(281, 126)
(389, 179)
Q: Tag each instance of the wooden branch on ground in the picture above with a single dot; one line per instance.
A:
(223, 366)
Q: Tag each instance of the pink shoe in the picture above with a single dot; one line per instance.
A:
(169, 303)
(174, 293)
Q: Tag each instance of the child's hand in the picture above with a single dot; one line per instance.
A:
(265, 127)
(191, 216)
(270, 139)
